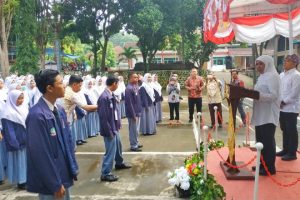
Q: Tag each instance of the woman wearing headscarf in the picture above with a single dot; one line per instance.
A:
(120, 96)
(148, 121)
(33, 93)
(266, 109)
(2, 148)
(3, 91)
(14, 131)
(92, 118)
(158, 98)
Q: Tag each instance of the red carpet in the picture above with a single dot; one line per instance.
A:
(268, 190)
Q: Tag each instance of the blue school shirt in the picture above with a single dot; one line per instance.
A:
(133, 103)
(14, 135)
(50, 152)
(146, 100)
(110, 122)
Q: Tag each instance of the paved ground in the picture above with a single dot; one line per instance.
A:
(147, 179)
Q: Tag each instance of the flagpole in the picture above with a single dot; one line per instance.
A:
(291, 49)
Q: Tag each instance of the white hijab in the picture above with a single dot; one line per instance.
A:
(90, 91)
(121, 88)
(3, 91)
(148, 87)
(270, 74)
(156, 86)
(13, 112)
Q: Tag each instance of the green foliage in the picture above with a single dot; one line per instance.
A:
(120, 39)
(200, 188)
(128, 53)
(110, 59)
(27, 56)
(197, 50)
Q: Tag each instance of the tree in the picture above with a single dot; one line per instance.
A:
(128, 54)
(197, 50)
(27, 56)
(110, 56)
(152, 21)
(94, 23)
(7, 11)
(193, 48)
(43, 21)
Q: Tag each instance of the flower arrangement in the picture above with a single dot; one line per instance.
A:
(191, 176)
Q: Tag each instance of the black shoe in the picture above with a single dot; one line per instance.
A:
(135, 149)
(79, 143)
(288, 157)
(190, 121)
(280, 153)
(122, 166)
(83, 141)
(140, 146)
(253, 168)
(263, 172)
(109, 178)
(220, 126)
(22, 186)
(1, 182)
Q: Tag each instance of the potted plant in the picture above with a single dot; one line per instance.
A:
(189, 179)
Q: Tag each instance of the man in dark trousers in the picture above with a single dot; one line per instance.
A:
(289, 107)
(133, 111)
(110, 124)
(51, 164)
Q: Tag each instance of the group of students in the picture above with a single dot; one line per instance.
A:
(81, 115)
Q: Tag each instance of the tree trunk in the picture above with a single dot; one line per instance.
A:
(103, 59)
(95, 60)
(4, 49)
(4, 60)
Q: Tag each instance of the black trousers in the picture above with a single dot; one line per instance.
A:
(212, 113)
(265, 134)
(288, 125)
(192, 102)
(174, 106)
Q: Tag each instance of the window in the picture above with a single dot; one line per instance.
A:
(157, 60)
(219, 61)
(169, 60)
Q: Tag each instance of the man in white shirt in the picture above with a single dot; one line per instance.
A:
(289, 107)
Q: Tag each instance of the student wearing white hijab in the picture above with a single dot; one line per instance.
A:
(92, 118)
(158, 97)
(120, 96)
(99, 87)
(2, 148)
(14, 131)
(33, 93)
(148, 120)
(3, 90)
(266, 109)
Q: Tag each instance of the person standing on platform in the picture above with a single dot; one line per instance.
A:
(266, 109)
(148, 121)
(158, 98)
(51, 163)
(289, 107)
(194, 85)
(214, 88)
(238, 82)
(110, 124)
(14, 133)
(133, 111)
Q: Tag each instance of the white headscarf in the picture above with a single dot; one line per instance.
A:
(13, 112)
(156, 85)
(3, 91)
(121, 88)
(148, 87)
(2, 106)
(90, 91)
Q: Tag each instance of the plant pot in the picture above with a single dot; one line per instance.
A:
(183, 193)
